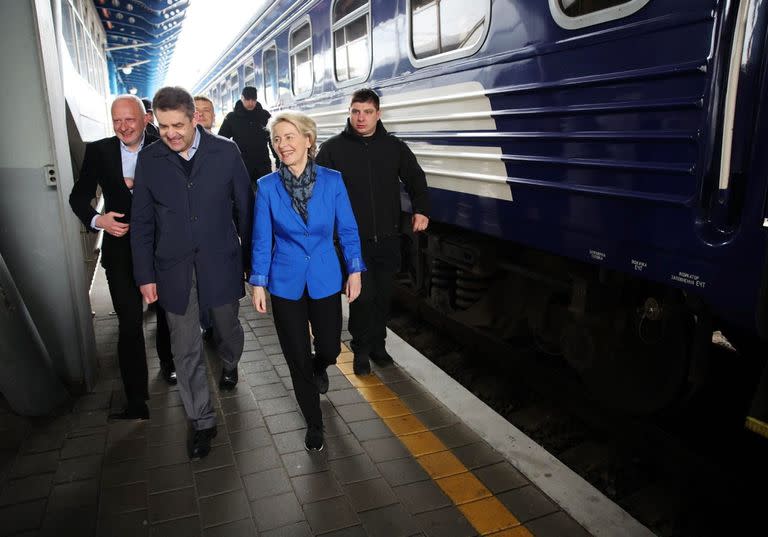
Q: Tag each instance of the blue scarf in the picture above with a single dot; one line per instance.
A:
(300, 188)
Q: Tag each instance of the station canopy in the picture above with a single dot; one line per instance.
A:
(141, 37)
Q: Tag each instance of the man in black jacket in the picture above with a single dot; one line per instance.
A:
(372, 163)
(246, 125)
(110, 163)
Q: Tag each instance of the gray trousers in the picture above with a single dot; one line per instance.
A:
(189, 358)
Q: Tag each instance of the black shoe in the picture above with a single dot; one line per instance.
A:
(382, 358)
(321, 380)
(228, 379)
(168, 372)
(313, 440)
(361, 365)
(208, 334)
(201, 442)
(131, 412)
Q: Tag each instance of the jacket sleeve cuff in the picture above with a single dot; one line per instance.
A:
(258, 280)
(355, 264)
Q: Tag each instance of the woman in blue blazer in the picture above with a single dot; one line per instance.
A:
(296, 212)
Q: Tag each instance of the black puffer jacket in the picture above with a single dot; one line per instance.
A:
(248, 129)
(372, 168)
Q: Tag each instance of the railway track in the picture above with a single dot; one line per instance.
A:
(692, 471)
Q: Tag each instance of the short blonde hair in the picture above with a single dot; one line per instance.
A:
(303, 123)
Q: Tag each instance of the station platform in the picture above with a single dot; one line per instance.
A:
(408, 452)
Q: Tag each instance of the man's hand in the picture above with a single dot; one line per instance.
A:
(420, 222)
(149, 292)
(259, 299)
(108, 223)
(354, 286)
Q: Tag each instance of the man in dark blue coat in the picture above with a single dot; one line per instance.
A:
(186, 250)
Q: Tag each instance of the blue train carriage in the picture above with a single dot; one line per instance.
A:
(591, 163)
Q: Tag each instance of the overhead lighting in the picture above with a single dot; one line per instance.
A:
(133, 91)
(127, 70)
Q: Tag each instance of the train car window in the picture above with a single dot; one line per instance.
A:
(574, 14)
(351, 48)
(269, 68)
(224, 96)
(68, 32)
(249, 74)
(234, 90)
(300, 53)
(446, 29)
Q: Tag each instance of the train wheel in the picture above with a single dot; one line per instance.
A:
(635, 362)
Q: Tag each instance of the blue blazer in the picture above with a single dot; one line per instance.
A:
(289, 255)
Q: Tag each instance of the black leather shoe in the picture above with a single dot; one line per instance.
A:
(201, 442)
(361, 365)
(313, 440)
(168, 372)
(321, 380)
(382, 358)
(228, 379)
(131, 413)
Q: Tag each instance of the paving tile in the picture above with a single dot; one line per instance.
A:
(290, 441)
(354, 531)
(315, 487)
(169, 415)
(167, 434)
(76, 469)
(168, 454)
(406, 387)
(244, 420)
(457, 435)
(240, 528)
(385, 449)
(134, 448)
(84, 445)
(437, 417)
(43, 441)
(224, 508)
(257, 366)
(527, 503)
(264, 331)
(135, 524)
(421, 496)
(556, 525)
(283, 370)
(463, 488)
(115, 500)
(280, 405)
(23, 516)
(78, 521)
(501, 477)
(330, 515)
(301, 463)
(423, 443)
(257, 460)
(238, 404)
(250, 439)
(446, 522)
(300, 529)
(252, 356)
(377, 393)
(285, 422)
(69, 496)
(267, 483)
(402, 471)
(370, 429)
(276, 511)
(339, 447)
(402, 425)
(488, 515)
(355, 468)
(349, 396)
(390, 408)
(477, 455)
(390, 521)
(173, 504)
(218, 457)
(169, 478)
(517, 531)
(272, 349)
(38, 463)
(161, 400)
(217, 481)
(124, 473)
(390, 374)
(335, 426)
(371, 494)
(441, 464)
(357, 412)
(180, 527)
(269, 391)
(26, 488)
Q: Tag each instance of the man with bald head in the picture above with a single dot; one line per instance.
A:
(110, 163)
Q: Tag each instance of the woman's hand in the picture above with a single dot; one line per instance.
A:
(354, 286)
(259, 299)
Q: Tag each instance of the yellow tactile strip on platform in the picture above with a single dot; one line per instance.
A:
(481, 509)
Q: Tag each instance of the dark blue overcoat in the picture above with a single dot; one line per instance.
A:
(201, 222)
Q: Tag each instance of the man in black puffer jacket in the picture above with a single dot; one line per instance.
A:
(246, 125)
(372, 163)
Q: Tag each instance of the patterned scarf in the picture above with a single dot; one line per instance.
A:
(300, 188)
